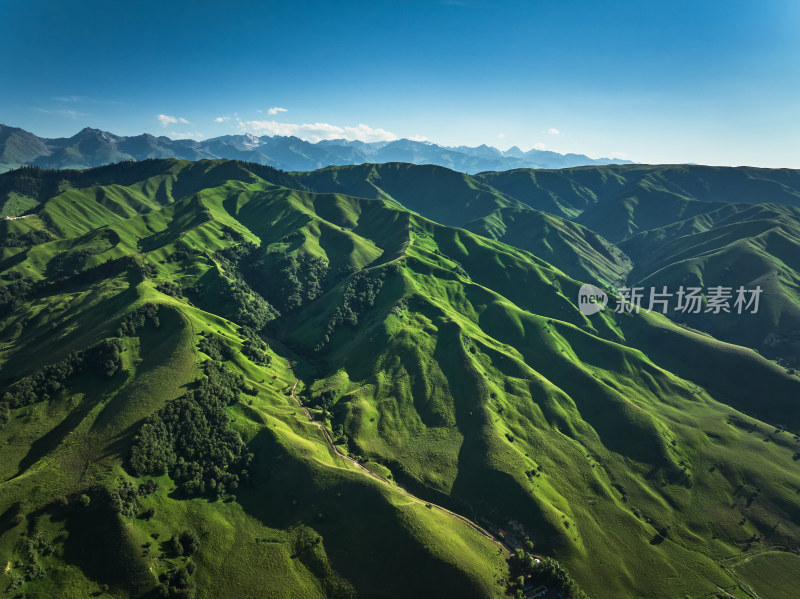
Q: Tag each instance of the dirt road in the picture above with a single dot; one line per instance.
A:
(505, 550)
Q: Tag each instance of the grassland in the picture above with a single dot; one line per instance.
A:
(650, 459)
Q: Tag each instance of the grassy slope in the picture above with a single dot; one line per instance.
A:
(574, 249)
(620, 201)
(439, 193)
(403, 393)
(738, 245)
(472, 371)
(595, 416)
(63, 446)
(457, 199)
(681, 225)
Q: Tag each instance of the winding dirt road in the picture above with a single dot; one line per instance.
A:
(505, 550)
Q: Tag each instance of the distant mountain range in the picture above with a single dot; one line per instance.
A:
(92, 147)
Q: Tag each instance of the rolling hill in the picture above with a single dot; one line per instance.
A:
(161, 320)
(738, 244)
(670, 226)
(620, 201)
(576, 250)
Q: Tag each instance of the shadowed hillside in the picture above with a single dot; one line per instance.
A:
(166, 325)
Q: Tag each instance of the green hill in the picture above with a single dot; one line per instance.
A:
(460, 200)
(737, 245)
(578, 251)
(660, 216)
(441, 194)
(618, 201)
(159, 320)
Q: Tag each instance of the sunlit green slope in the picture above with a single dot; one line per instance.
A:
(306, 524)
(576, 250)
(646, 457)
(441, 194)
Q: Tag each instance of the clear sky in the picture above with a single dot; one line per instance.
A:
(704, 81)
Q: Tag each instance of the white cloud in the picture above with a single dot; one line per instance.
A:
(167, 120)
(539, 146)
(417, 137)
(315, 132)
(501, 135)
(276, 110)
(222, 119)
(553, 131)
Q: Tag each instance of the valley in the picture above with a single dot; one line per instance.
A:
(219, 377)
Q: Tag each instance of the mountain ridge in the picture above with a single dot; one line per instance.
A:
(639, 453)
(94, 147)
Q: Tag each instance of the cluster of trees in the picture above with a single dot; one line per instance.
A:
(289, 283)
(23, 240)
(254, 347)
(66, 264)
(32, 548)
(231, 234)
(400, 307)
(42, 183)
(182, 252)
(198, 290)
(230, 257)
(176, 584)
(33, 181)
(468, 345)
(148, 488)
(123, 499)
(359, 295)
(131, 324)
(272, 175)
(191, 440)
(459, 269)
(546, 571)
(169, 288)
(14, 293)
(293, 281)
(265, 292)
(185, 543)
(215, 348)
(252, 309)
(102, 358)
(325, 400)
(105, 357)
(148, 271)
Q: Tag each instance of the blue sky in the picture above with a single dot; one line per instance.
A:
(702, 81)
